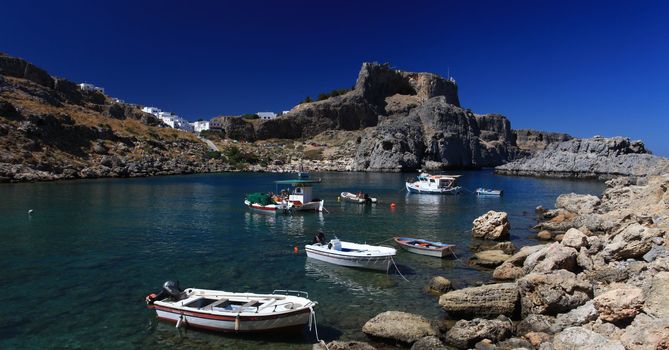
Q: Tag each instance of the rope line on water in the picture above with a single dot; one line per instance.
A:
(312, 320)
(398, 270)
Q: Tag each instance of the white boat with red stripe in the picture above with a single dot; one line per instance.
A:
(232, 312)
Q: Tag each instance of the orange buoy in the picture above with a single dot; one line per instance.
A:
(392, 205)
(295, 250)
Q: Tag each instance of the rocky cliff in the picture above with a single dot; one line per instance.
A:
(50, 129)
(534, 140)
(411, 120)
(596, 157)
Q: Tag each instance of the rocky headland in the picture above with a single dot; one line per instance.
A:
(597, 157)
(600, 285)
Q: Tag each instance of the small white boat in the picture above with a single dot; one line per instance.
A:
(434, 184)
(349, 254)
(232, 312)
(425, 247)
(488, 192)
(350, 197)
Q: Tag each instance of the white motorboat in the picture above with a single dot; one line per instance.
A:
(488, 192)
(363, 198)
(264, 202)
(434, 184)
(300, 197)
(232, 312)
(350, 254)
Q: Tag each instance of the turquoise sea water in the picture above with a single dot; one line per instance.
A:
(75, 272)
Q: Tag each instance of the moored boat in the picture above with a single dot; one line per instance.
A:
(488, 192)
(231, 312)
(362, 198)
(265, 202)
(424, 247)
(350, 254)
(300, 197)
(434, 184)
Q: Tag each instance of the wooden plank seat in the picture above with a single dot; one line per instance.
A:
(215, 304)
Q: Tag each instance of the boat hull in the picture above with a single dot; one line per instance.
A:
(367, 257)
(271, 208)
(428, 248)
(311, 206)
(424, 251)
(219, 323)
(412, 188)
(349, 197)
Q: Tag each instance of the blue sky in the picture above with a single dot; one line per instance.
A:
(581, 67)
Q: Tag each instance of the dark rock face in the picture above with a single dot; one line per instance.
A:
(18, 68)
(237, 128)
(589, 158)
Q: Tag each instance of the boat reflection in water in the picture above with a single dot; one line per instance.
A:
(357, 282)
(290, 224)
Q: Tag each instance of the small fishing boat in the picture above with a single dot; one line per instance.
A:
(488, 192)
(434, 184)
(359, 199)
(300, 197)
(265, 202)
(231, 312)
(349, 254)
(424, 247)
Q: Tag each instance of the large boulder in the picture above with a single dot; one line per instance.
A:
(552, 293)
(428, 343)
(399, 326)
(551, 257)
(576, 317)
(633, 241)
(574, 238)
(512, 268)
(580, 338)
(619, 304)
(647, 333)
(577, 203)
(439, 285)
(465, 334)
(491, 225)
(489, 258)
(535, 323)
(657, 303)
(486, 301)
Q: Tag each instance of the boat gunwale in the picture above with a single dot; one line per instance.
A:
(399, 240)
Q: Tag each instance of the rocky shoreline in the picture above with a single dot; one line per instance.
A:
(600, 285)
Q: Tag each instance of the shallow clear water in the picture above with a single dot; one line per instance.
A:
(75, 272)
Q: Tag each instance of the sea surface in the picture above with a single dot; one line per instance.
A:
(75, 272)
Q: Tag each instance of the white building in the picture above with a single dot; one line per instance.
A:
(169, 118)
(91, 87)
(266, 115)
(200, 125)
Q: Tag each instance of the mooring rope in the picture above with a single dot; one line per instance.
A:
(398, 270)
(312, 320)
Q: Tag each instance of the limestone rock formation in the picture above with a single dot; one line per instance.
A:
(491, 225)
(464, 334)
(619, 304)
(489, 258)
(429, 343)
(485, 301)
(399, 326)
(532, 141)
(581, 338)
(439, 285)
(596, 157)
(552, 293)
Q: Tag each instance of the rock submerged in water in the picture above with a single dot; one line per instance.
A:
(489, 258)
(493, 225)
(344, 345)
(439, 285)
(399, 326)
(484, 301)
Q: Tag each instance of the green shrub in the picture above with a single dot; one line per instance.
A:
(250, 116)
(213, 155)
(333, 93)
(236, 156)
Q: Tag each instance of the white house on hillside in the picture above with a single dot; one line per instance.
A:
(266, 115)
(200, 125)
(91, 87)
(169, 118)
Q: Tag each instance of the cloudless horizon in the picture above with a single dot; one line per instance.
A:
(580, 67)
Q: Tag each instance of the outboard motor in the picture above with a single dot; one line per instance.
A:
(171, 289)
